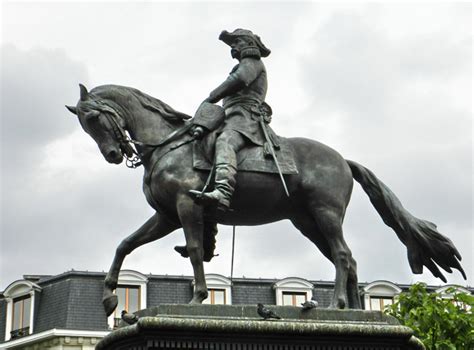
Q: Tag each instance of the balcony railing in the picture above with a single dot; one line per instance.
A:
(18, 333)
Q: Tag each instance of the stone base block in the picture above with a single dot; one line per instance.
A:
(238, 327)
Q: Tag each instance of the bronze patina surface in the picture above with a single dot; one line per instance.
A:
(125, 122)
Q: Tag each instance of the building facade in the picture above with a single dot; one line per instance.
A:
(64, 312)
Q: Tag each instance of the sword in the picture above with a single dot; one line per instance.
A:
(272, 151)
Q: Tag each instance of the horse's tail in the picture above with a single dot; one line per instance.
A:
(425, 245)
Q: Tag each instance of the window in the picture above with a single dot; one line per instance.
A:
(379, 294)
(293, 291)
(131, 294)
(128, 299)
(216, 297)
(379, 303)
(294, 298)
(20, 298)
(219, 290)
(21, 316)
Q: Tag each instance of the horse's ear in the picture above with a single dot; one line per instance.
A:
(84, 92)
(72, 109)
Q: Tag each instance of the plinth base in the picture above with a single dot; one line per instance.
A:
(238, 327)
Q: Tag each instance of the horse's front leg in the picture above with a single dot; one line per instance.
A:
(155, 228)
(191, 217)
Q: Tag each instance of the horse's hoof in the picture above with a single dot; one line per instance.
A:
(110, 304)
(339, 305)
(198, 300)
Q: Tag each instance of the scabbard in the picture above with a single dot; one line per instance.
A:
(272, 151)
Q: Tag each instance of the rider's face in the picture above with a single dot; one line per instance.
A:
(236, 47)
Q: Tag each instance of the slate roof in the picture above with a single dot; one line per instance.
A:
(73, 299)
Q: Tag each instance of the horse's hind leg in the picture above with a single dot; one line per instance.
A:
(155, 228)
(329, 222)
(307, 226)
(353, 295)
(324, 228)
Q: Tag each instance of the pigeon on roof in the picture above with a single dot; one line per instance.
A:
(129, 318)
(266, 313)
(309, 304)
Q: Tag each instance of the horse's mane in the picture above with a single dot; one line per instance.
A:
(115, 92)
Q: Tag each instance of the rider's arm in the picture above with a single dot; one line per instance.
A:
(248, 70)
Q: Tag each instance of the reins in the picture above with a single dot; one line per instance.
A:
(132, 158)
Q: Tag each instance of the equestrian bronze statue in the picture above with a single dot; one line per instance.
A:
(199, 173)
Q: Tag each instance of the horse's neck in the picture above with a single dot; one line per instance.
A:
(148, 127)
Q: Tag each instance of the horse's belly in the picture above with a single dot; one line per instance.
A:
(247, 218)
(259, 199)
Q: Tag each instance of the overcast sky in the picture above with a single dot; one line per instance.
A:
(386, 85)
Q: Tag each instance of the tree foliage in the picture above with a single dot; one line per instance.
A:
(439, 322)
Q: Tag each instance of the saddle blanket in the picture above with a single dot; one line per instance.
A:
(250, 158)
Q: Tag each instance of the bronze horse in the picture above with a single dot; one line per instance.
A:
(319, 193)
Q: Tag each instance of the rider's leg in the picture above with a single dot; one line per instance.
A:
(228, 143)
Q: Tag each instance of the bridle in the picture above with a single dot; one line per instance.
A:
(133, 159)
(131, 155)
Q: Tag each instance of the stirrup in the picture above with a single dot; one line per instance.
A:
(204, 199)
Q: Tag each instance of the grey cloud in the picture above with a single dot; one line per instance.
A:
(417, 141)
(35, 86)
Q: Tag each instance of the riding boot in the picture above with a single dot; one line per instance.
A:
(224, 183)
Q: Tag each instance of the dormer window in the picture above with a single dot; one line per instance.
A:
(131, 293)
(380, 294)
(293, 291)
(448, 291)
(219, 289)
(20, 298)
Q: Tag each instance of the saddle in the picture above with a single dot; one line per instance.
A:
(251, 158)
(254, 157)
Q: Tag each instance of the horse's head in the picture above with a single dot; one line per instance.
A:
(102, 123)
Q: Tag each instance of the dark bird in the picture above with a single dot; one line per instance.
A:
(129, 318)
(266, 313)
(309, 304)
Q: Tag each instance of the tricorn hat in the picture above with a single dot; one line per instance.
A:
(229, 38)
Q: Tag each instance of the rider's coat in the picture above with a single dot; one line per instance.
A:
(243, 106)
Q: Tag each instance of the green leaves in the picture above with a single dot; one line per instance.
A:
(441, 322)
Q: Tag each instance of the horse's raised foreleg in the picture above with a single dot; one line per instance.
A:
(191, 217)
(155, 228)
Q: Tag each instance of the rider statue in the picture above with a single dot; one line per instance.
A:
(243, 94)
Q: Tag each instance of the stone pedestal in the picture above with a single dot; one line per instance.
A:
(238, 327)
